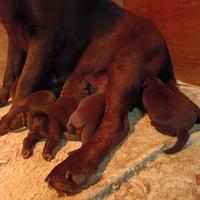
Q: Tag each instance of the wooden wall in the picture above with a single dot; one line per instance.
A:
(179, 21)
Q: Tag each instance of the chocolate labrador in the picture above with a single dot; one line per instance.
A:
(170, 112)
(129, 48)
(88, 37)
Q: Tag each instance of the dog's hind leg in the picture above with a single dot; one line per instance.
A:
(15, 62)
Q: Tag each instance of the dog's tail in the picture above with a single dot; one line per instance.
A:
(183, 136)
(173, 86)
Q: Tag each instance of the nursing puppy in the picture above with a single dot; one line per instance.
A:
(169, 112)
(86, 118)
(23, 115)
(36, 101)
(51, 122)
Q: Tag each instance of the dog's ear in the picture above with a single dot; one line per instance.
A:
(38, 120)
(147, 81)
(144, 84)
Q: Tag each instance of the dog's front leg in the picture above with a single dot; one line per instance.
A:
(15, 62)
(72, 173)
(35, 67)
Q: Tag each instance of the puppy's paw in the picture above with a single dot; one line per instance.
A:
(47, 156)
(4, 127)
(72, 137)
(26, 153)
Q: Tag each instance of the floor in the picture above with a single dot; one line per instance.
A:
(137, 169)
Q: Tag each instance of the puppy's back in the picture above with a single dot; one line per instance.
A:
(165, 106)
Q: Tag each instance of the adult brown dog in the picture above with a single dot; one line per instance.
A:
(170, 112)
(98, 36)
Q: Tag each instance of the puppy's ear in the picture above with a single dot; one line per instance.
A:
(144, 84)
(38, 119)
(147, 81)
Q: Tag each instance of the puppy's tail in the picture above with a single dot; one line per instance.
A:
(183, 136)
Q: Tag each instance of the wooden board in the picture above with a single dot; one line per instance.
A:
(179, 21)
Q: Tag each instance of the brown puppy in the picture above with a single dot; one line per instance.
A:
(51, 122)
(86, 118)
(35, 101)
(169, 112)
(38, 101)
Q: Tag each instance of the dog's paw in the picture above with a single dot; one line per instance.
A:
(71, 175)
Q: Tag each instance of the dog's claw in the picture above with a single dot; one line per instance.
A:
(79, 179)
(26, 154)
(48, 157)
(64, 185)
